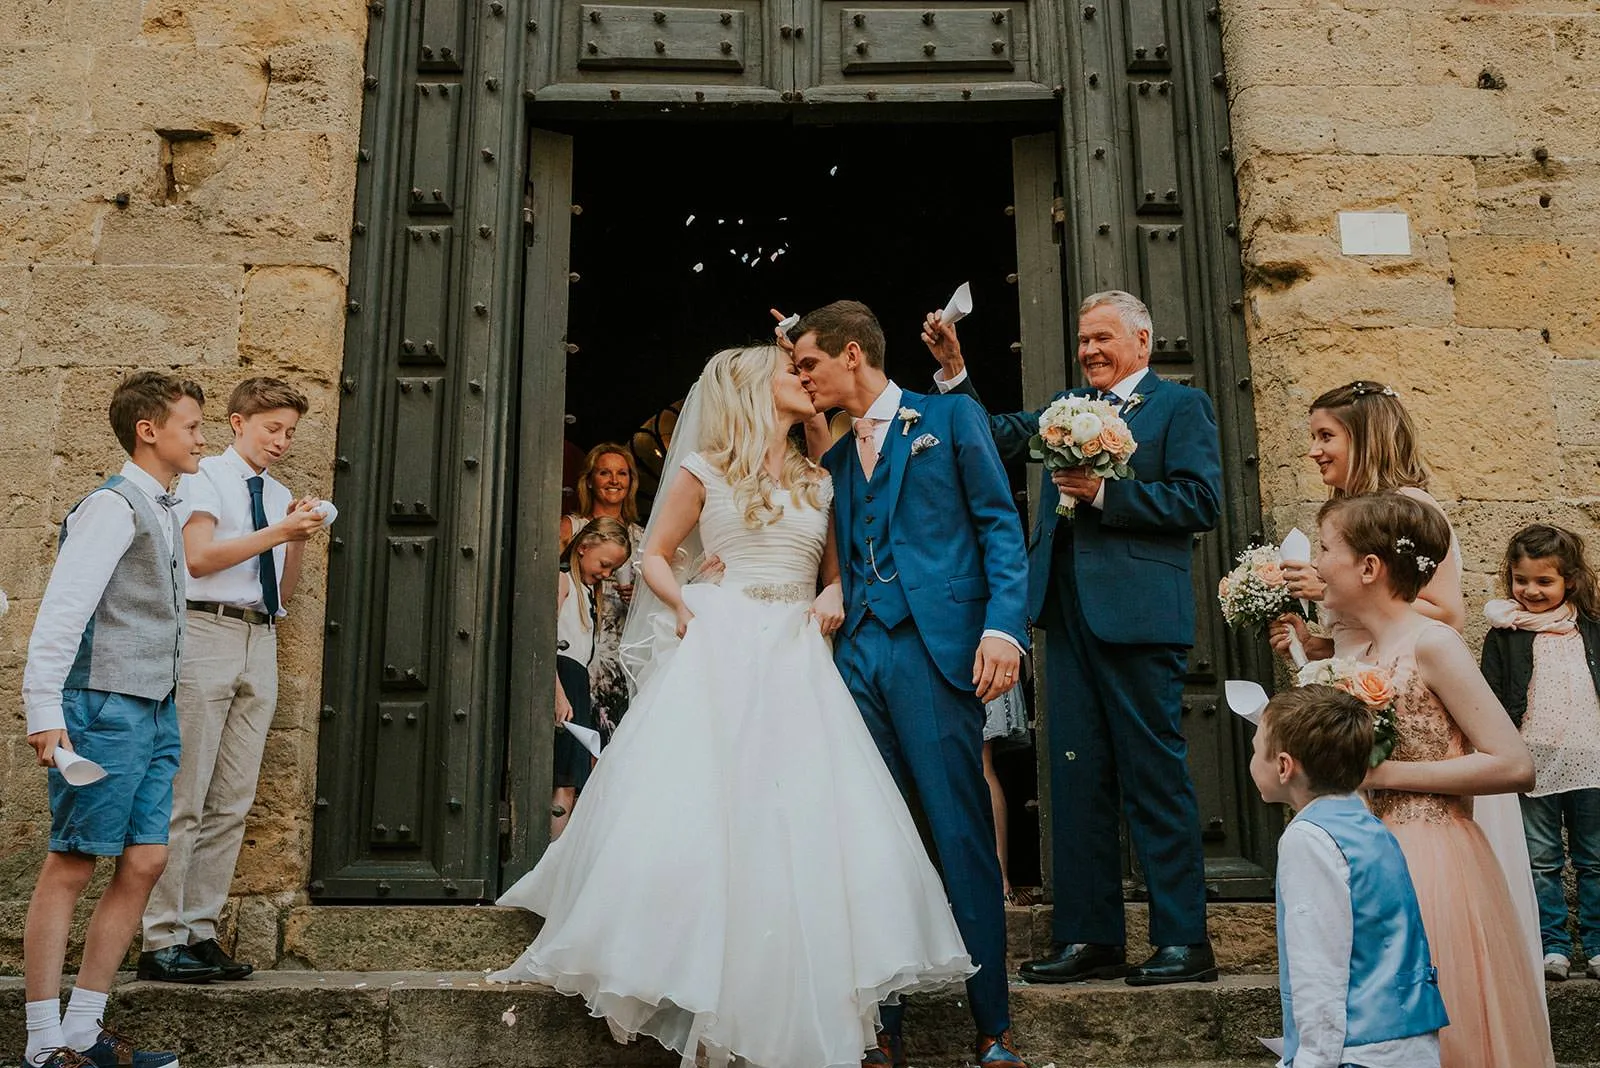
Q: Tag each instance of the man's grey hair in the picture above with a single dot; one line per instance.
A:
(1130, 309)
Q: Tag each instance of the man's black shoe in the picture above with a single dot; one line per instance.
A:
(1073, 962)
(1176, 964)
(176, 964)
(210, 952)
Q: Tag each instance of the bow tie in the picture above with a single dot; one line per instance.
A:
(169, 500)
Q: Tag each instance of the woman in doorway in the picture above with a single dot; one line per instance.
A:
(608, 487)
(1364, 441)
(745, 782)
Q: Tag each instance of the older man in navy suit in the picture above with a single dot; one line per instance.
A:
(1111, 586)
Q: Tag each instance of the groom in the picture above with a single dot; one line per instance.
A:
(935, 587)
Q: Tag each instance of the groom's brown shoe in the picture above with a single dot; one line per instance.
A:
(890, 1052)
(1074, 962)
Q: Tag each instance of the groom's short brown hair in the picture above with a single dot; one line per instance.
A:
(838, 324)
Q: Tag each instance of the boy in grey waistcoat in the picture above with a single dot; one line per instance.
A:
(102, 667)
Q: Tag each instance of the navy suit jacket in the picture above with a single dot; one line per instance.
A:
(1132, 558)
(953, 528)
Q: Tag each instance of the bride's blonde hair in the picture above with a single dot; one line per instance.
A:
(740, 419)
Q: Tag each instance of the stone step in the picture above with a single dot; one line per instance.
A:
(457, 1020)
(471, 938)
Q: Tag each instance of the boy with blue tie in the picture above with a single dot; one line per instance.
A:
(1355, 975)
(244, 537)
(102, 666)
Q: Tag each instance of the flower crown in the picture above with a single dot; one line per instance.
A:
(1425, 564)
(1367, 389)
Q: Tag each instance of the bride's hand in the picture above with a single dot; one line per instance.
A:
(684, 618)
(783, 339)
(828, 609)
(1303, 580)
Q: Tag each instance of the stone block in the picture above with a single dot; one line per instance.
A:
(1296, 281)
(1304, 194)
(14, 283)
(16, 139)
(1531, 282)
(1580, 470)
(315, 86)
(224, 22)
(1457, 48)
(72, 165)
(1575, 387)
(288, 774)
(132, 315)
(164, 87)
(1427, 121)
(257, 929)
(1576, 48)
(33, 232)
(360, 938)
(1281, 119)
(276, 856)
(1484, 527)
(49, 21)
(47, 82)
(26, 556)
(1521, 196)
(1566, 122)
(1324, 45)
(293, 320)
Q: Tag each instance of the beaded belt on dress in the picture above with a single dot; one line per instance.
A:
(780, 592)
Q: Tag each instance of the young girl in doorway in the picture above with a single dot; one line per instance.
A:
(599, 549)
(1542, 658)
(1454, 742)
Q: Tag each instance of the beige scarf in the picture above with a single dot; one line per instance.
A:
(1509, 615)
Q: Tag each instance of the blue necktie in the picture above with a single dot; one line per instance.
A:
(1111, 398)
(269, 565)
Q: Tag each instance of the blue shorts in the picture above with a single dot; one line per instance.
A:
(136, 741)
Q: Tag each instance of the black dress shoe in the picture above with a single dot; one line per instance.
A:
(1176, 964)
(1073, 962)
(176, 964)
(210, 952)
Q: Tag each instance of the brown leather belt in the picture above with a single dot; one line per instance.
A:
(214, 608)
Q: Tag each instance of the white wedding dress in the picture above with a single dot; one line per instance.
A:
(741, 876)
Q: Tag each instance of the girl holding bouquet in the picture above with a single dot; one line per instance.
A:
(1454, 741)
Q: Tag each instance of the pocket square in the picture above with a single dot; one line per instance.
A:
(923, 444)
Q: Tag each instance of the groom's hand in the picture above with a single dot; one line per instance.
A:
(783, 339)
(995, 668)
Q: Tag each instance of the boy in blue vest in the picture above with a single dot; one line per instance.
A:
(102, 667)
(1355, 974)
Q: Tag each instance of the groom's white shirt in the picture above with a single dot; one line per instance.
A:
(884, 409)
(1123, 389)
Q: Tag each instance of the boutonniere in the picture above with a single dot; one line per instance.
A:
(923, 444)
(1131, 403)
(908, 417)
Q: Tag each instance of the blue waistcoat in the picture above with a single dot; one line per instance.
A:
(1394, 988)
(870, 519)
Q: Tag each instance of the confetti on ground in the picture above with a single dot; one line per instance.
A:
(509, 1017)
(358, 986)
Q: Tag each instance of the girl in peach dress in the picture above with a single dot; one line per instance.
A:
(1454, 742)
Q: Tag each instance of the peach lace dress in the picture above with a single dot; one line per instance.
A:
(1493, 995)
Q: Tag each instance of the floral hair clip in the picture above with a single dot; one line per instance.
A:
(1402, 543)
(1365, 389)
(1425, 564)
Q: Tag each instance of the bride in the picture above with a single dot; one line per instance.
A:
(742, 879)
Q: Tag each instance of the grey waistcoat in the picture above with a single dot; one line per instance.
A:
(135, 637)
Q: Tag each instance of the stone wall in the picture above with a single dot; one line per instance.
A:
(176, 181)
(1481, 120)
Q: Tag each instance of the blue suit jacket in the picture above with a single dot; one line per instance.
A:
(953, 528)
(1132, 559)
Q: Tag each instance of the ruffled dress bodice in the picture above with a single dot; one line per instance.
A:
(776, 561)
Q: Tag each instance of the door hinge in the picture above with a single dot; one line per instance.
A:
(505, 818)
(1058, 219)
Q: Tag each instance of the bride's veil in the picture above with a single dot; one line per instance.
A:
(651, 632)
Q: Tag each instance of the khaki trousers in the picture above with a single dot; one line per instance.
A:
(227, 691)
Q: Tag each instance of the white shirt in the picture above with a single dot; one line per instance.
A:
(219, 491)
(1318, 938)
(99, 531)
(885, 408)
(1124, 389)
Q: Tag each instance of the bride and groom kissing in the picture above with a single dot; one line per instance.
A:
(743, 879)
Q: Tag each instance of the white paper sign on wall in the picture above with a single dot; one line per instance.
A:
(1374, 233)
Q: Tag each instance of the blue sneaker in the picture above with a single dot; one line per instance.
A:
(115, 1051)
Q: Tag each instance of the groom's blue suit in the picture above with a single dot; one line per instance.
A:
(931, 555)
(1112, 588)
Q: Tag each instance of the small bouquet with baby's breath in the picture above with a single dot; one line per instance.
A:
(1371, 685)
(1256, 591)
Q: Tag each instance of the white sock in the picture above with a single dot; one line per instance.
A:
(44, 1029)
(80, 1027)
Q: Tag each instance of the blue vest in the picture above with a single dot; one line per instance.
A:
(886, 596)
(1394, 988)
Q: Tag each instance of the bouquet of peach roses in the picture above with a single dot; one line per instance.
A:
(1372, 686)
(1083, 432)
(1255, 592)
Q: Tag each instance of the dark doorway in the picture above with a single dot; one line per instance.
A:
(686, 234)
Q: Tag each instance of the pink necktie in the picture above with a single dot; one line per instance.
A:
(866, 444)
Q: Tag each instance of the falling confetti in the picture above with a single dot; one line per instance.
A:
(721, 221)
(833, 170)
(509, 1017)
(741, 222)
(775, 255)
(745, 258)
(699, 267)
(689, 220)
